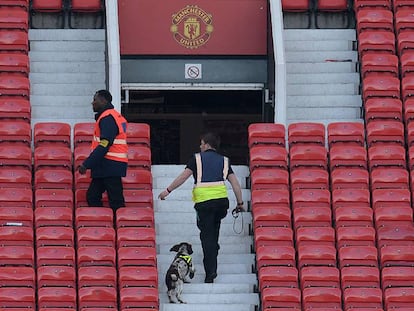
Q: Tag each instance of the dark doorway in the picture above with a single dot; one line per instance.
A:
(178, 118)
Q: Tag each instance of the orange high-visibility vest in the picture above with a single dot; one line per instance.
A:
(119, 149)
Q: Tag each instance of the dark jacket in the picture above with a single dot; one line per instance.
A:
(99, 165)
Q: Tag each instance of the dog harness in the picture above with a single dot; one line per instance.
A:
(187, 258)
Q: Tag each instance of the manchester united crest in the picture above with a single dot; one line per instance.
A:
(191, 26)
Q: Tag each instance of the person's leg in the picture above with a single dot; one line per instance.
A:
(95, 191)
(115, 192)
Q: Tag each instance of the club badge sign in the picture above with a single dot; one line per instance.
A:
(192, 27)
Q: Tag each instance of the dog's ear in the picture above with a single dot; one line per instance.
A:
(189, 248)
(175, 248)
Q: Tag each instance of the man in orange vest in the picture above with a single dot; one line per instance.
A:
(109, 153)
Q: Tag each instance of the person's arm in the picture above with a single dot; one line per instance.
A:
(176, 183)
(236, 189)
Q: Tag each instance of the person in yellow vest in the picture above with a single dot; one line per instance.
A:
(108, 159)
(210, 169)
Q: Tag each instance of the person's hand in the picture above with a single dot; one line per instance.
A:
(163, 194)
(82, 170)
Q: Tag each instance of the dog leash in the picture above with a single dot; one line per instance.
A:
(235, 213)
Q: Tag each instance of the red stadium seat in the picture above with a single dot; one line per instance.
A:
(399, 298)
(295, 6)
(96, 256)
(380, 86)
(139, 156)
(316, 255)
(319, 276)
(14, 85)
(16, 132)
(97, 276)
(347, 157)
(56, 276)
(271, 178)
(135, 236)
(303, 178)
(15, 178)
(268, 157)
(80, 153)
(137, 256)
(138, 198)
(94, 217)
(139, 297)
(407, 85)
(352, 236)
(266, 133)
(55, 236)
(403, 4)
(56, 132)
(86, 5)
(137, 178)
(47, 5)
(312, 216)
(97, 297)
(15, 108)
(138, 133)
(49, 156)
(16, 216)
(358, 256)
(12, 298)
(375, 41)
(17, 277)
(390, 197)
(307, 198)
(404, 21)
(349, 178)
(16, 235)
(14, 18)
(55, 256)
(370, 4)
(355, 298)
(14, 40)
(56, 297)
(273, 276)
(82, 181)
(306, 132)
(12, 3)
(385, 132)
(17, 63)
(395, 235)
(408, 107)
(346, 132)
(386, 155)
(281, 297)
(321, 297)
(397, 277)
(315, 236)
(360, 276)
(353, 216)
(53, 216)
(273, 236)
(375, 19)
(134, 217)
(14, 155)
(53, 179)
(332, 6)
(400, 214)
(397, 255)
(17, 255)
(383, 108)
(407, 63)
(308, 156)
(411, 157)
(350, 198)
(271, 208)
(379, 63)
(405, 42)
(138, 276)
(83, 133)
(387, 178)
(53, 198)
(16, 197)
(275, 255)
(95, 236)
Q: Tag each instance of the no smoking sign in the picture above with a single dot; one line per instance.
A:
(193, 71)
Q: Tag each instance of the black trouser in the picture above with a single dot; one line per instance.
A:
(209, 216)
(113, 187)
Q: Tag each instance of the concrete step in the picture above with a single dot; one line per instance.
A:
(67, 34)
(63, 101)
(323, 89)
(214, 298)
(62, 56)
(320, 57)
(69, 78)
(194, 239)
(190, 218)
(63, 112)
(226, 229)
(67, 67)
(317, 113)
(324, 101)
(206, 307)
(326, 122)
(318, 45)
(65, 89)
(327, 67)
(164, 182)
(318, 78)
(238, 280)
(319, 34)
(185, 194)
(69, 46)
(171, 206)
(247, 259)
(222, 269)
(173, 171)
(196, 287)
(228, 248)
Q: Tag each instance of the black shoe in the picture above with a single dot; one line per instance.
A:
(210, 278)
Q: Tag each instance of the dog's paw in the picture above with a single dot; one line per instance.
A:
(191, 274)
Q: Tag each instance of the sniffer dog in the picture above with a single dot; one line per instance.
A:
(180, 269)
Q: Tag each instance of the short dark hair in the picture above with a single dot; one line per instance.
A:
(212, 139)
(105, 95)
